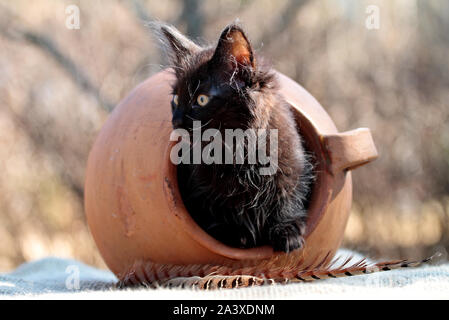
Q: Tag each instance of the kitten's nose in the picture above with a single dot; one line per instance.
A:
(178, 118)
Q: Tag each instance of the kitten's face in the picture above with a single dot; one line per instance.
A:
(211, 84)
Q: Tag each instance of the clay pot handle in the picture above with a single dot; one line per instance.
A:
(349, 150)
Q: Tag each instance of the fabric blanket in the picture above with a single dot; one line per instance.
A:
(69, 279)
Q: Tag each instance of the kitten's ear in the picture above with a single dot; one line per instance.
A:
(234, 48)
(179, 47)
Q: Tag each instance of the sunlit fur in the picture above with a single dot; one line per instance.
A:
(234, 203)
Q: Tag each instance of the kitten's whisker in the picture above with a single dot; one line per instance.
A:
(191, 118)
(194, 92)
(205, 124)
(202, 126)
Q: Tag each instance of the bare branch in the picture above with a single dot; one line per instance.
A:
(48, 46)
(284, 20)
(193, 17)
(139, 9)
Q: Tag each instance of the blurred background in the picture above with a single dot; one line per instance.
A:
(58, 84)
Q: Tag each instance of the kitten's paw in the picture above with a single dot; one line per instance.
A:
(287, 237)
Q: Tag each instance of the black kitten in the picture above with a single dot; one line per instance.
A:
(224, 88)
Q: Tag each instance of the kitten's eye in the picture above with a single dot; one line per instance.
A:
(202, 100)
(175, 99)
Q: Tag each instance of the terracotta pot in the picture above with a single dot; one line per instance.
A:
(132, 202)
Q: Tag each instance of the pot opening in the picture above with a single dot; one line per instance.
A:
(316, 204)
(317, 199)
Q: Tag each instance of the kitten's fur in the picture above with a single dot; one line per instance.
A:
(234, 203)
